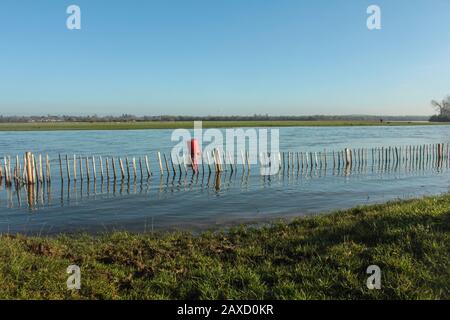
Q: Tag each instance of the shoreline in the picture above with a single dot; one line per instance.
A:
(146, 125)
(318, 257)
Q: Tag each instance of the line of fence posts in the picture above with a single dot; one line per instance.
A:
(33, 171)
(412, 156)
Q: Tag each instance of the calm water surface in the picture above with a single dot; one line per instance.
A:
(208, 201)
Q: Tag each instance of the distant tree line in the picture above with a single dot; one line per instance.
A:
(443, 109)
(255, 117)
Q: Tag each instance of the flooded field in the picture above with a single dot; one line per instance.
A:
(204, 200)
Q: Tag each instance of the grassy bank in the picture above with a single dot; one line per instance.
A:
(320, 257)
(49, 126)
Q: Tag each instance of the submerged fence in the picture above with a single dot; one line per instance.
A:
(31, 169)
(34, 174)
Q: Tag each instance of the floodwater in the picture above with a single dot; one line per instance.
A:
(208, 201)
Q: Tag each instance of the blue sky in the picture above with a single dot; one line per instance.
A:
(222, 57)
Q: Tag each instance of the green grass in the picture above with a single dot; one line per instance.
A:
(42, 126)
(320, 257)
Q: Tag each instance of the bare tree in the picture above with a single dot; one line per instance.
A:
(443, 107)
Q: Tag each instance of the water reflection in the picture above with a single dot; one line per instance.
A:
(40, 195)
(119, 190)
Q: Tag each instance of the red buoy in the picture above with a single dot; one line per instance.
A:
(194, 149)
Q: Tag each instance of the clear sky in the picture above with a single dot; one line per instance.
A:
(223, 57)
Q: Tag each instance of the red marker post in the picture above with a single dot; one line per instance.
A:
(194, 149)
